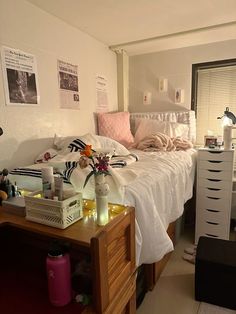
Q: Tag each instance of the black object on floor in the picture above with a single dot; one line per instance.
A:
(140, 286)
(215, 272)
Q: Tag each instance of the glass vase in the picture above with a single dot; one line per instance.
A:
(101, 191)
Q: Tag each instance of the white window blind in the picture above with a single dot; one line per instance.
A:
(216, 90)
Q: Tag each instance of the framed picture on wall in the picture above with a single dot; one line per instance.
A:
(20, 77)
(210, 141)
(68, 83)
(179, 96)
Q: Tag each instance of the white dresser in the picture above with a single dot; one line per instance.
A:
(214, 193)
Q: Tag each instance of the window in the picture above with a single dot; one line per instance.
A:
(213, 89)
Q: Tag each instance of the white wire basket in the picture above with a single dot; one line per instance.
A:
(59, 214)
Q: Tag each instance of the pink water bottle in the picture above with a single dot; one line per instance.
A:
(59, 277)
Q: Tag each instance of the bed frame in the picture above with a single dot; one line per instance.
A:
(152, 272)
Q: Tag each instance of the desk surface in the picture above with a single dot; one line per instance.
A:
(79, 233)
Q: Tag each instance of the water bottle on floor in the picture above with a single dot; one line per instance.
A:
(59, 276)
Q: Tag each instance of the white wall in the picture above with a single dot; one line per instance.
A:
(28, 28)
(176, 66)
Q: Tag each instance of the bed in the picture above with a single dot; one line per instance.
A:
(157, 185)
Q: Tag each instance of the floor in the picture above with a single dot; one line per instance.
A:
(174, 292)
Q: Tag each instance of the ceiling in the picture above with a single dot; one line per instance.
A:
(143, 26)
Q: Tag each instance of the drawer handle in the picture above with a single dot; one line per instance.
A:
(215, 152)
(214, 189)
(212, 210)
(210, 170)
(212, 223)
(213, 198)
(215, 161)
(211, 235)
(214, 180)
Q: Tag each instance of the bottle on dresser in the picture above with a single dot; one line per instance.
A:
(48, 182)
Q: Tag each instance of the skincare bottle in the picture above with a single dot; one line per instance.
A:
(48, 182)
(59, 188)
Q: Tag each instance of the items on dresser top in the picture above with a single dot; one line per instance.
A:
(59, 214)
(214, 193)
(7, 189)
(14, 205)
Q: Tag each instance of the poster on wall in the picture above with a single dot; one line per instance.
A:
(68, 85)
(20, 77)
(101, 89)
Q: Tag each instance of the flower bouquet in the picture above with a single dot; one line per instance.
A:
(99, 163)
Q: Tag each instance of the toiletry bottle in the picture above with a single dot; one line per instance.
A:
(59, 188)
(48, 182)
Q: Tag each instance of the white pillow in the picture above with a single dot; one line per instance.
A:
(62, 143)
(107, 143)
(46, 155)
(98, 142)
(145, 127)
(178, 130)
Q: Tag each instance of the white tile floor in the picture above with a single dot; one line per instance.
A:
(174, 292)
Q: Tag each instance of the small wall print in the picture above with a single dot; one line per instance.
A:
(147, 98)
(163, 85)
(179, 96)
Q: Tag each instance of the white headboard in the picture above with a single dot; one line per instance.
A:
(185, 117)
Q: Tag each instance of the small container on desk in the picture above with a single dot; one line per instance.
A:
(54, 213)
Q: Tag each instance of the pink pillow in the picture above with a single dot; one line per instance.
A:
(116, 126)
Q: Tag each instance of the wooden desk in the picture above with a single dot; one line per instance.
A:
(112, 251)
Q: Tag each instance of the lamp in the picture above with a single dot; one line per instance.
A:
(1, 131)
(227, 134)
(229, 116)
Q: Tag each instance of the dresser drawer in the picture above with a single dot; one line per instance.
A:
(213, 216)
(214, 193)
(215, 165)
(214, 183)
(222, 204)
(215, 155)
(215, 174)
(204, 228)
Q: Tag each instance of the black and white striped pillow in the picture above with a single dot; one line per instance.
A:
(70, 166)
(76, 145)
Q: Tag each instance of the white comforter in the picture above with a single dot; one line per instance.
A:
(157, 186)
(158, 197)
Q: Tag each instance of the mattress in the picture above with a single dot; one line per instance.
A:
(157, 185)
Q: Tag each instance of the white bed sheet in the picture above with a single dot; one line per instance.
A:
(168, 185)
(157, 186)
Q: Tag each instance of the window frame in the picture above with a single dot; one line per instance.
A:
(201, 66)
